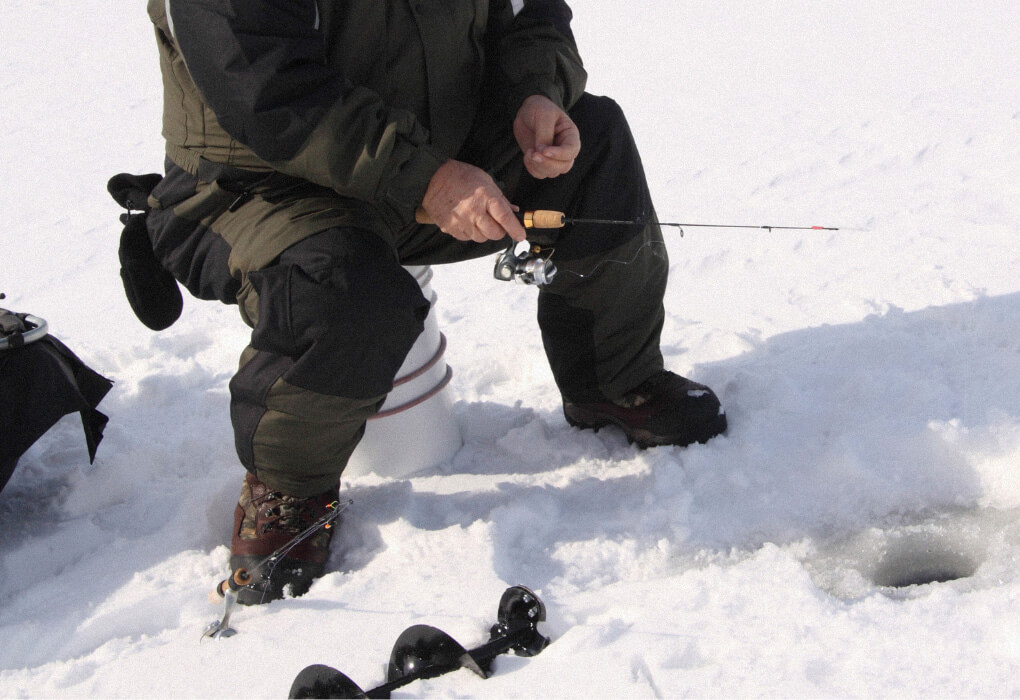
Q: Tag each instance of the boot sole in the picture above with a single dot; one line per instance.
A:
(592, 420)
(289, 578)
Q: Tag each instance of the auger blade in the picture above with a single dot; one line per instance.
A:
(320, 681)
(423, 651)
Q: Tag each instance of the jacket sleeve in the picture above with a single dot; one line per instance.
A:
(261, 67)
(536, 51)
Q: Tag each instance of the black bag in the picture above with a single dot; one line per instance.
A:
(41, 381)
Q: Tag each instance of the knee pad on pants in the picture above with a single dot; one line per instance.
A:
(341, 306)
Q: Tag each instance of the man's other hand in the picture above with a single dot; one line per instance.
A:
(547, 136)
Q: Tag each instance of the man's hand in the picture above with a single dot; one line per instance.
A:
(547, 136)
(466, 203)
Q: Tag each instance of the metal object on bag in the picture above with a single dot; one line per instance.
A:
(18, 330)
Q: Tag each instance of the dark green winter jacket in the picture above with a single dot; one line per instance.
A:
(364, 97)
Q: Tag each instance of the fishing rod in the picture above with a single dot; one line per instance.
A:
(548, 219)
(534, 266)
(227, 589)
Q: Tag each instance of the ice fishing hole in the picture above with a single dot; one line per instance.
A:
(901, 559)
(919, 558)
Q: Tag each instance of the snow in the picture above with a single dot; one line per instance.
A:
(871, 378)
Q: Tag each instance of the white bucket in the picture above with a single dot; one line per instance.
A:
(415, 428)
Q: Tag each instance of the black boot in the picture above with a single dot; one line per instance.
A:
(666, 409)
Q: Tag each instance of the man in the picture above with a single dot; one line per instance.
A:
(303, 135)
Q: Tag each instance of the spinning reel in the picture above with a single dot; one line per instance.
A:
(524, 263)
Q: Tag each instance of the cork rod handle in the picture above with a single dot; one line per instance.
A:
(540, 218)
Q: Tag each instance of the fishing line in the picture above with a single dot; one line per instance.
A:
(595, 269)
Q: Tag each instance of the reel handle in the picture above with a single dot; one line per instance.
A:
(236, 581)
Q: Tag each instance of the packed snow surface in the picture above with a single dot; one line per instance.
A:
(856, 532)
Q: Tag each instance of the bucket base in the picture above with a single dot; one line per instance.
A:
(407, 442)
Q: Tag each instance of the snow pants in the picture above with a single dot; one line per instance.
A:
(319, 278)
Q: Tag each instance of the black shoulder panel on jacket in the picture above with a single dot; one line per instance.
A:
(556, 12)
(261, 67)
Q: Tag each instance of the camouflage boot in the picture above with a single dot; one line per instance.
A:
(266, 520)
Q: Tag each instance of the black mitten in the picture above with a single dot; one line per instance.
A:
(151, 290)
(132, 191)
